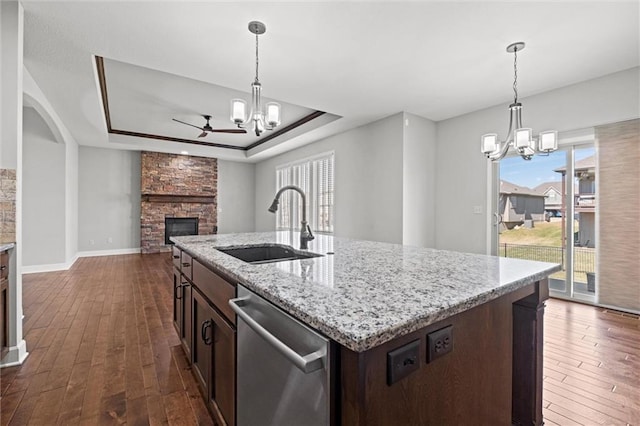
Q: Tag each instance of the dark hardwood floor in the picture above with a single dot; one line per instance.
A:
(591, 366)
(103, 350)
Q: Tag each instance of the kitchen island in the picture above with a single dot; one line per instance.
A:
(373, 299)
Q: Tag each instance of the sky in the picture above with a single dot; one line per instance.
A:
(539, 169)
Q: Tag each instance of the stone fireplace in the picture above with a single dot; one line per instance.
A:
(178, 187)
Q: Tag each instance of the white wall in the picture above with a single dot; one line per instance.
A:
(71, 199)
(11, 42)
(462, 170)
(236, 197)
(43, 191)
(108, 199)
(34, 98)
(368, 181)
(419, 174)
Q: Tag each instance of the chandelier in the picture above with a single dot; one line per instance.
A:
(518, 137)
(259, 120)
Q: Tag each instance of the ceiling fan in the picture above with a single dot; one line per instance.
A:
(208, 129)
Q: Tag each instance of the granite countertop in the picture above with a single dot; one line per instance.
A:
(6, 246)
(364, 293)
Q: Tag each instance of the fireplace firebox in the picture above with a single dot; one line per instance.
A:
(177, 226)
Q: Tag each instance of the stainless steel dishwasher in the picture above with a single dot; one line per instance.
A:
(283, 367)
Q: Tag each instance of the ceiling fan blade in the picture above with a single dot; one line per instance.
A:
(188, 124)
(229, 130)
(202, 135)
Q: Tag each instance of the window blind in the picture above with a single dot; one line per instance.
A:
(315, 178)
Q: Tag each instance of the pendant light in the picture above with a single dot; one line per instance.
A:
(258, 119)
(518, 137)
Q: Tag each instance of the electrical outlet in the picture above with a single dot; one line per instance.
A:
(439, 343)
(109, 240)
(403, 361)
(477, 209)
(92, 242)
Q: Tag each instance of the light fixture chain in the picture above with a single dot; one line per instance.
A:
(515, 75)
(257, 58)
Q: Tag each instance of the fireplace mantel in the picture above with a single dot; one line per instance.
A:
(175, 198)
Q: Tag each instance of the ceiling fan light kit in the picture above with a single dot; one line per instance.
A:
(259, 119)
(518, 137)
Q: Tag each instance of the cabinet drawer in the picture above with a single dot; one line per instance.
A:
(175, 254)
(215, 288)
(4, 265)
(187, 265)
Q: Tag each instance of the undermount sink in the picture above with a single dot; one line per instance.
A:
(267, 254)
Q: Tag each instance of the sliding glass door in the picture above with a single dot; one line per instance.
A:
(545, 210)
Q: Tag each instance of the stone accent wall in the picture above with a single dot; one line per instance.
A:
(7, 206)
(176, 177)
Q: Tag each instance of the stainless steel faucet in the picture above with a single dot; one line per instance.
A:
(305, 232)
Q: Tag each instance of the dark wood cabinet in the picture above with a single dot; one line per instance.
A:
(206, 326)
(182, 310)
(202, 340)
(492, 376)
(214, 358)
(4, 304)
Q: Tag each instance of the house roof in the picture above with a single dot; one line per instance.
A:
(513, 189)
(556, 185)
(544, 187)
(588, 163)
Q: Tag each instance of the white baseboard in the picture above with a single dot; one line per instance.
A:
(16, 355)
(115, 252)
(52, 267)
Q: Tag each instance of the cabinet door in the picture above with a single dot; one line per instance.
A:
(223, 386)
(186, 330)
(202, 339)
(4, 320)
(4, 304)
(177, 302)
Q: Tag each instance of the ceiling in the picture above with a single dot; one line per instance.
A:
(357, 61)
(148, 102)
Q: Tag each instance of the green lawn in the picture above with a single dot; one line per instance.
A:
(542, 234)
(543, 242)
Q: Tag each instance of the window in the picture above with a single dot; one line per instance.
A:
(315, 177)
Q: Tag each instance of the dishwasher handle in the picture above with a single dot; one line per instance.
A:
(306, 363)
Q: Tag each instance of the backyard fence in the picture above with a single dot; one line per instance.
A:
(584, 258)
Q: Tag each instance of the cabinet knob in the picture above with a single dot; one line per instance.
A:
(3, 267)
(175, 256)
(185, 264)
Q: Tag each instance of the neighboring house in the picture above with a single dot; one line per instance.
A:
(552, 192)
(584, 199)
(519, 204)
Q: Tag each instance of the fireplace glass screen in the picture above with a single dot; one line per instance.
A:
(177, 226)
